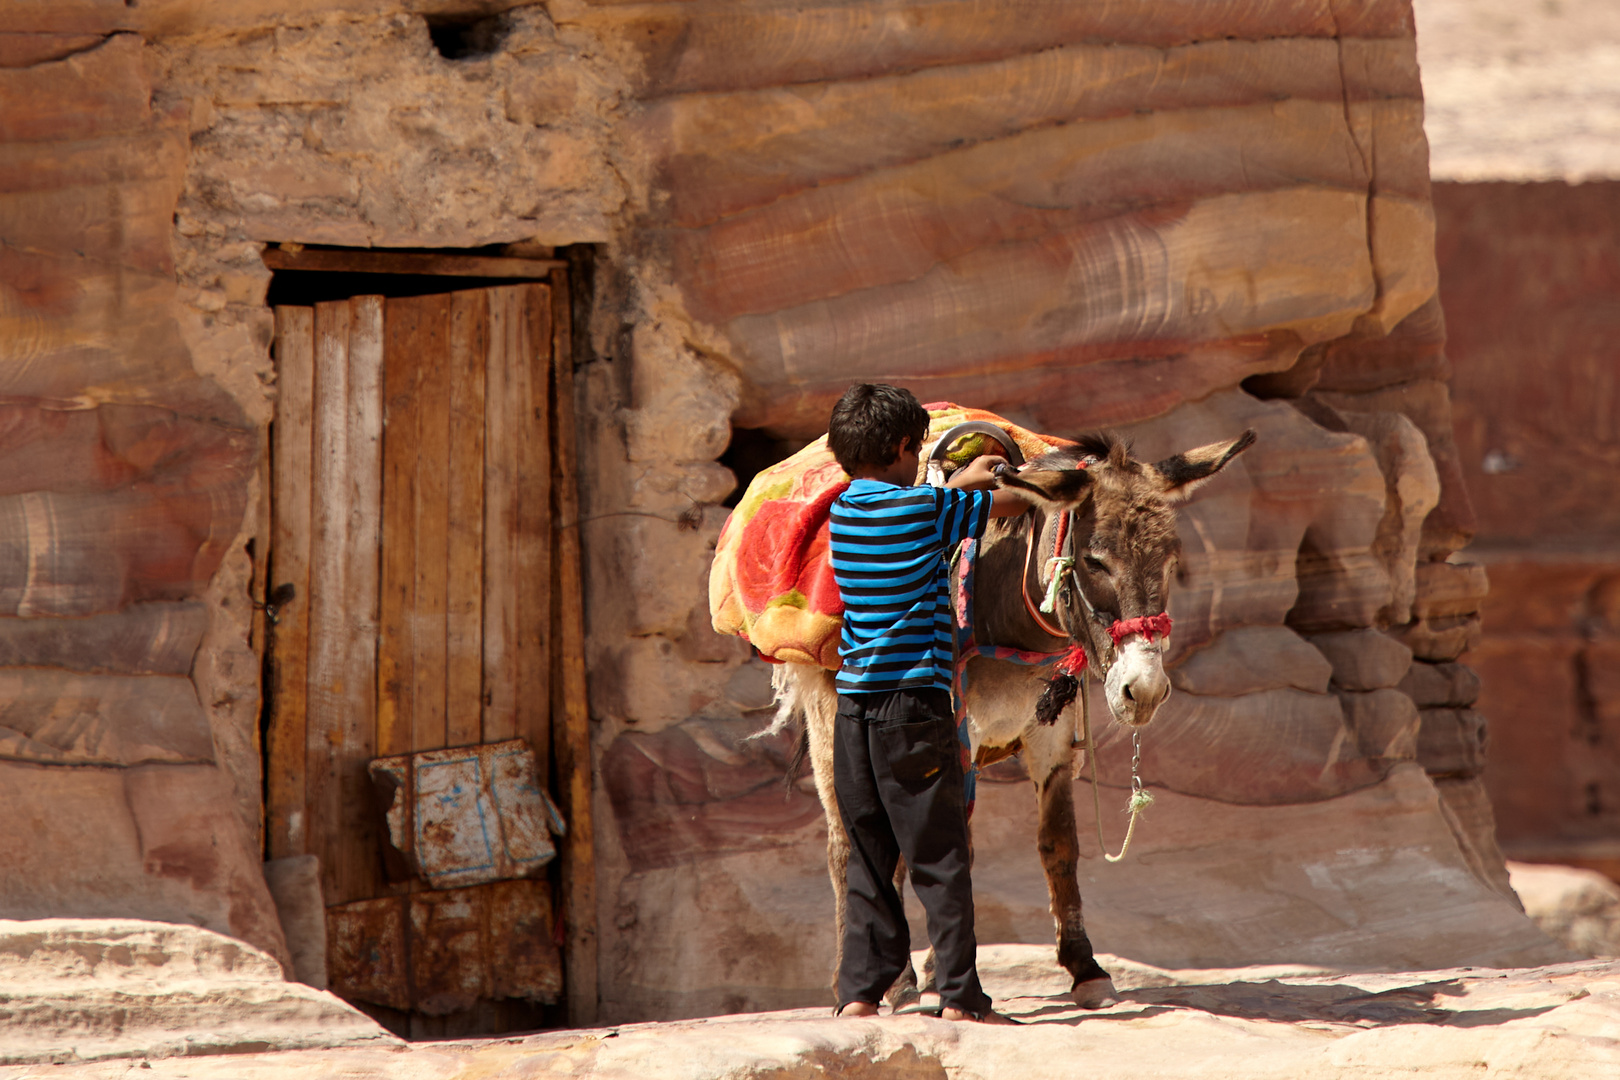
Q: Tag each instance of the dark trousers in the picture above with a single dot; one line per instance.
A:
(897, 774)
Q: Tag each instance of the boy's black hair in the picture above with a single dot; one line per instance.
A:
(870, 420)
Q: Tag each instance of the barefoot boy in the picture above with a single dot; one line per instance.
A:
(897, 770)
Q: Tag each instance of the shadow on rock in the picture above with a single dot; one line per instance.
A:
(1331, 1003)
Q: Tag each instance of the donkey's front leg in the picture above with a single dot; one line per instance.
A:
(1060, 848)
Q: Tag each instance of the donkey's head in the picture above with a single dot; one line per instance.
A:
(1121, 535)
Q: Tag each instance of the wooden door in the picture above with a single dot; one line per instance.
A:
(424, 572)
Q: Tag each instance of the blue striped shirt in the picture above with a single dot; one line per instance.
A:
(889, 546)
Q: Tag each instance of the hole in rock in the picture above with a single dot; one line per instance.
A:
(752, 451)
(467, 37)
(1293, 383)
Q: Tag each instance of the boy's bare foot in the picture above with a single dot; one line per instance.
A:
(949, 1013)
(858, 1008)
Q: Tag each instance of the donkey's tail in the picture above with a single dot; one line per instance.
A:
(803, 691)
(795, 765)
(790, 703)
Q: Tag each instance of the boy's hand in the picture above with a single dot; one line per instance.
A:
(978, 474)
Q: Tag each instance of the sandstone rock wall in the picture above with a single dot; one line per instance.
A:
(128, 475)
(1174, 219)
(1529, 284)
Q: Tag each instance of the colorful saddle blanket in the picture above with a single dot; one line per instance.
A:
(772, 581)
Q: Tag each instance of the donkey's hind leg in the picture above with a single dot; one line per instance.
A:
(808, 690)
(1049, 758)
(905, 991)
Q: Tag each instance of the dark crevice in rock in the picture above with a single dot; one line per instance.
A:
(467, 37)
(32, 50)
(750, 452)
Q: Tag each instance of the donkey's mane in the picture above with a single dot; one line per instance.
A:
(1091, 448)
(1119, 483)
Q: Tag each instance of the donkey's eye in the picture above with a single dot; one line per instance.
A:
(1094, 564)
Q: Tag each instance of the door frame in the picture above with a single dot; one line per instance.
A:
(278, 613)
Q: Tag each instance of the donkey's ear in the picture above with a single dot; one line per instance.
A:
(1182, 474)
(1063, 487)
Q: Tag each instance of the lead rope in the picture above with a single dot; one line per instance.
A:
(1141, 798)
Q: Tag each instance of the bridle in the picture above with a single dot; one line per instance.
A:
(1059, 565)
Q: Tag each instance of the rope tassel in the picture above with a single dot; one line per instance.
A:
(1062, 687)
(1056, 567)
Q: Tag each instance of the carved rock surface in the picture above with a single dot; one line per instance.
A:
(1412, 493)
(1451, 742)
(1385, 723)
(1429, 685)
(143, 639)
(1466, 806)
(1440, 639)
(1050, 212)
(78, 990)
(1448, 589)
(1248, 659)
(158, 842)
(1267, 748)
(63, 718)
(128, 466)
(1363, 659)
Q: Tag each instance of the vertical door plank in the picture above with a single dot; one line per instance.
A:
(285, 767)
(531, 392)
(328, 630)
(501, 484)
(396, 649)
(464, 662)
(572, 736)
(432, 520)
(359, 870)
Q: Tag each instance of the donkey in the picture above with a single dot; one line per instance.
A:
(1117, 516)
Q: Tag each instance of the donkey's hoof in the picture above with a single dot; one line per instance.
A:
(1095, 993)
(903, 997)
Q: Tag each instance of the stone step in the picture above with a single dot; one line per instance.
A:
(81, 990)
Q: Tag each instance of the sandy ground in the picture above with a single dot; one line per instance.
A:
(1253, 1023)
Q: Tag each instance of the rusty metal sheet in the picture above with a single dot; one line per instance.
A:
(365, 952)
(521, 805)
(450, 950)
(489, 941)
(525, 962)
(466, 816)
(453, 812)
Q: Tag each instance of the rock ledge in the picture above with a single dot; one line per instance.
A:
(81, 990)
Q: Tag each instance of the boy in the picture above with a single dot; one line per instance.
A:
(897, 771)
